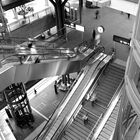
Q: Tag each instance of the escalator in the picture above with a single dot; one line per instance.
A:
(105, 89)
(74, 98)
(61, 61)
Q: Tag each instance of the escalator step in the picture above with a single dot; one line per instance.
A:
(107, 131)
(111, 124)
(112, 120)
(114, 116)
(108, 127)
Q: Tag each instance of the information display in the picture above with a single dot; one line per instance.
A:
(122, 40)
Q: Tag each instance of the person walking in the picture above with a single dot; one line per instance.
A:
(35, 91)
(128, 15)
(93, 34)
(96, 14)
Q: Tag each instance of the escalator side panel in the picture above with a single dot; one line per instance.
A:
(27, 72)
(7, 77)
(42, 70)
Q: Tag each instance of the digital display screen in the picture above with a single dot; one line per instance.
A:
(122, 40)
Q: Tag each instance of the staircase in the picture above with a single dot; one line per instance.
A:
(78, 130)
(105, 89)
(108, 84)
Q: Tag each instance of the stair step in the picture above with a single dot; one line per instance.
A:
(116, 68)
(71, 136)
(103, 102)
(79, 131)
(111, 80)
(91, 115)
(67, 137)
(94, 109)
(64, 138)
(113, 77)
(104, 96)
(80, 128)
(108, 91)
(101, 92)
(115, 74)
(81, 122)
(108, 86)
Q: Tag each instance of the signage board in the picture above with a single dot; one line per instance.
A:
(80, 28)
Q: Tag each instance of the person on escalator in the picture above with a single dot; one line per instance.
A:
(55, 87)
(85, 118)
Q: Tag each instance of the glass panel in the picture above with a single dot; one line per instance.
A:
(134, 74)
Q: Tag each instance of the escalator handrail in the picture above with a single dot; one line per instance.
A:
(41, 54)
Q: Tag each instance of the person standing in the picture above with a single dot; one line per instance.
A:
(55, 87)
(93, 34)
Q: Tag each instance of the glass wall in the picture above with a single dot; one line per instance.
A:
(27, 13)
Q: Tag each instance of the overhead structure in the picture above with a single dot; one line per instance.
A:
(3, 25)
